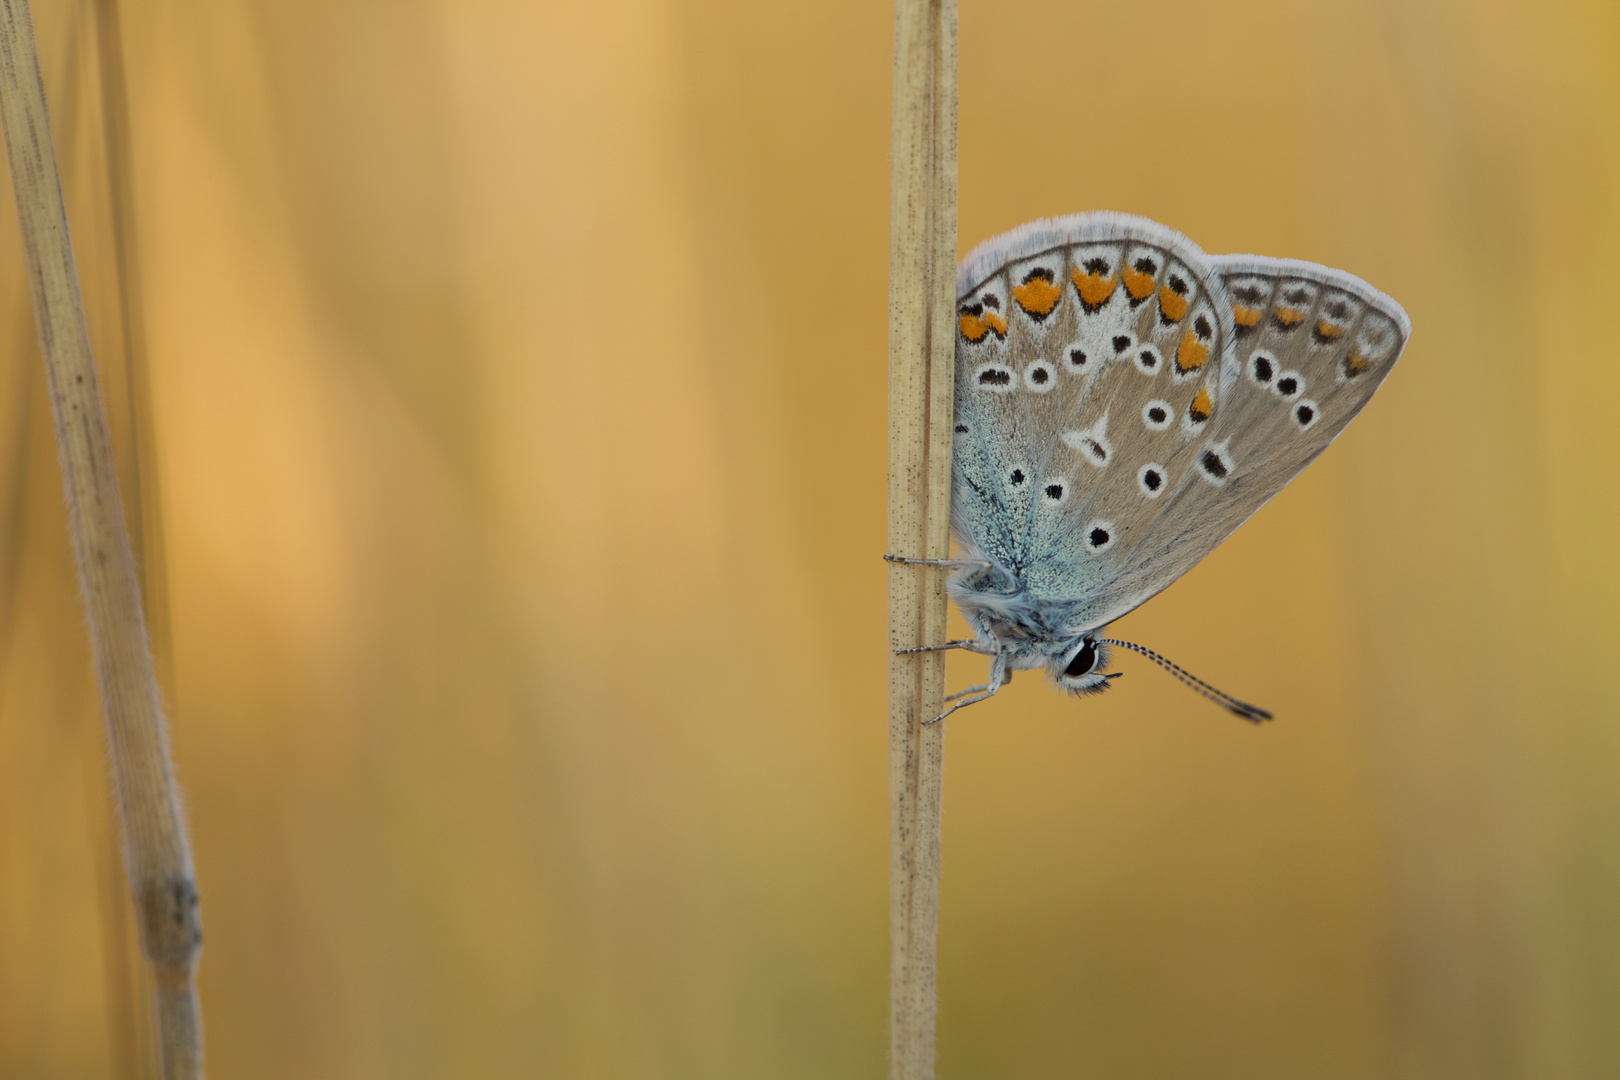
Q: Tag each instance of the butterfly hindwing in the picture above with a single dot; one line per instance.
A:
(1088, 375)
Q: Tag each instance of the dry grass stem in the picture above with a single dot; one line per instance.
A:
(145, 522)
(137, 458)
(922, 295)
(155, 849)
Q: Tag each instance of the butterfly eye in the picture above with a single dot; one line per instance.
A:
(1083, 661)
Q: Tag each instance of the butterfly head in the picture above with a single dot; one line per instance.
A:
(1077, 665)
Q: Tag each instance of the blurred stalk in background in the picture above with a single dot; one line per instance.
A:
(157, 856)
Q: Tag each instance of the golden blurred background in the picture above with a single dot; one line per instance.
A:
(517, 420)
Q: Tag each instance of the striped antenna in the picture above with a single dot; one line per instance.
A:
(1252, 713)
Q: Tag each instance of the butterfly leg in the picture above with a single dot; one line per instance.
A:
(970, 644)
(998, 679)
(970, 690)
(949, 564)
(977, 689)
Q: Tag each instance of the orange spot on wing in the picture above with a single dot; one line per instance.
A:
(1037, 296)
(1094, 289)
(1327, 330)
(1355, 364)
(975, 327)
(1202, 407)
(1138, 284)
(1191, 354)
(1245, 316)
(1288, 318)
(1173, 305)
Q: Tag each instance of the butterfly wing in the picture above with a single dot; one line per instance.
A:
(1124, 401)
(1311, 345)
(1089, 371)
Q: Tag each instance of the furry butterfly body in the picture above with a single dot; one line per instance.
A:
(1123, 403)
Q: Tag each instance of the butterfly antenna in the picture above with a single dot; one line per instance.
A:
(1249, 712)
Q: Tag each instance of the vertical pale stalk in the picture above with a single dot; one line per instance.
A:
(155, 850)
(922, 301)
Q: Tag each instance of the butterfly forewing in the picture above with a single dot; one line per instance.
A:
(1311, 344)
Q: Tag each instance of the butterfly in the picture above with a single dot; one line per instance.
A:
(1123, 403)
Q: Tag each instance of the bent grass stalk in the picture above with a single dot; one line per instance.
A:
(922, 301)
(156, 854)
